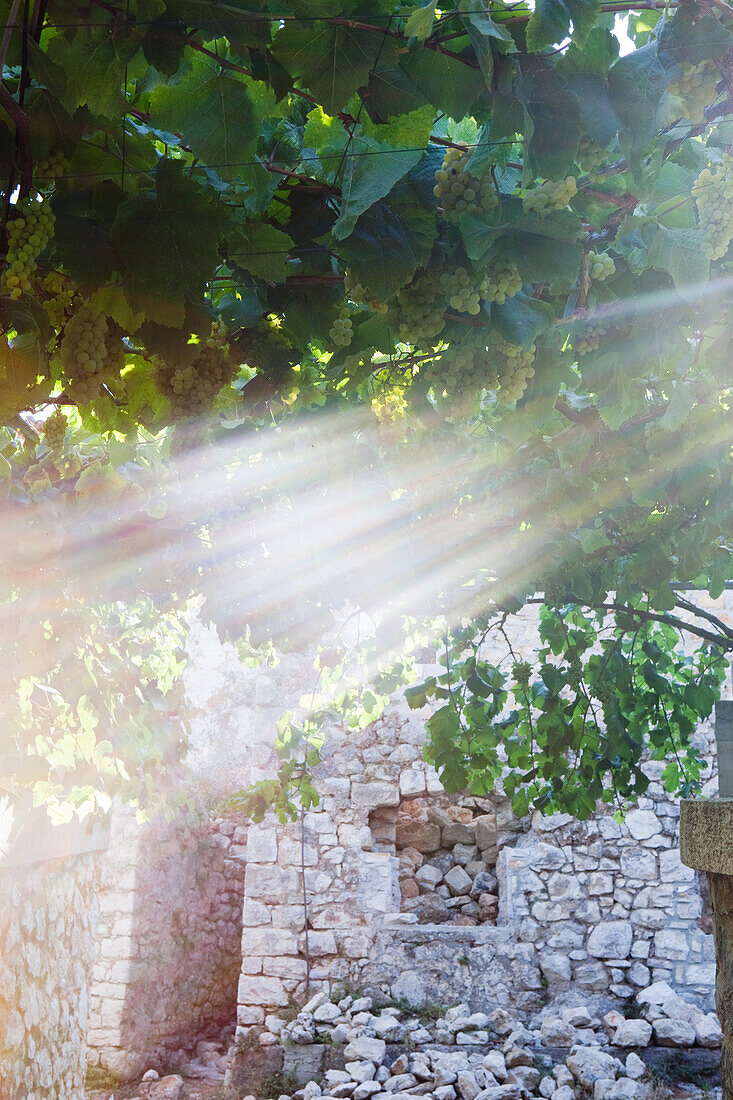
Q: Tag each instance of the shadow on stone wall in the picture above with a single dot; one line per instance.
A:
(169, 950)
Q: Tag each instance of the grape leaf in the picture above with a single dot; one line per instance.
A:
(330, 61)
(386, 246)
(446, 82)
(420, 22)
(550, 22)
(212, 111)
(679, 251)
(167, 239)
(370, 174)
(261, 249)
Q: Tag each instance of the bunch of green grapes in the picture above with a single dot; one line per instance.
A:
(713, 195)
(29, 231)
(341, 332)
(590, 154)
(514, 368)
(466, 367)
(589, 336)
(192, 390)
(458, 190)
(61, 296)
(92, 354)
(419, 313)
(84, 353)
(502, 281)
(252, 343)
(49, 168)
(696, 88)
(550, 195)
(459, 287)
(54, 430)
(600, 265)
(357, 293)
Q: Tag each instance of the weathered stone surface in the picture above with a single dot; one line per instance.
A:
(167, 1088)
(457, 833)
(421, 835)
(642, 824)
(366, 1049)
(458, 882)
(610, 940)
(588, 1065)
(708, 1032)
(557, 1033)
(632, 1033)
(673, 1033)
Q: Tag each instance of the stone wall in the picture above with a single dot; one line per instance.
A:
(595, 909)
(168, 948)
(47, 917)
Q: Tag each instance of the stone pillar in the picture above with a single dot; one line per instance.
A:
(706, 843)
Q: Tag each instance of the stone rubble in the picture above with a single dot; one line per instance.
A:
(564, 1053)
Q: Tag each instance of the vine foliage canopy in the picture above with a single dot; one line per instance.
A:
(488, 227)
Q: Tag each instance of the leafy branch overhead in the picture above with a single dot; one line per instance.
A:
(486, 224)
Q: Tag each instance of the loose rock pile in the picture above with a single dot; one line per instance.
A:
(447, 859)
(496, 1057)
(561, 1054)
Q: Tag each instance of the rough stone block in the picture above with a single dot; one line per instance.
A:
(610, 940)
(273, 884)
(368, 796)
(261, 844)
(269, 992)
(269, 941)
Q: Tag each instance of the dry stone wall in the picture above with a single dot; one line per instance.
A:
(47, 918)
(595, 909)
(370, 889)
(168, 947)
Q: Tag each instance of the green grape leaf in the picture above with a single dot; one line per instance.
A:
(387, 245)
(451, 85)
(521, 319)
(683, 38)
(94, 64)
(637, 83)
(550, 22)
(262, 249)
(370, 173)
(168, 241)
(420, 21)
(679, 251)
(332, 62)
(214, 114)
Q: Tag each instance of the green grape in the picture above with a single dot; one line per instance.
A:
(590, 154)
(600, 265)
(48, 169)
(193, 389)
(54, 430)
(550, 195)
(419, 313)
(713, 195)
(696, 88)
(515, 368)
(502, 281)
(459, 191)
(57, 306)
(84, 353)
(461, 371)
(459, 287)
(28, 231)
(357, 293)
(342, 332)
